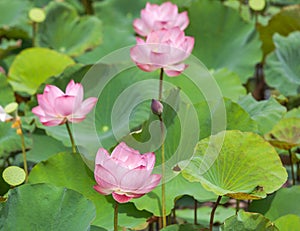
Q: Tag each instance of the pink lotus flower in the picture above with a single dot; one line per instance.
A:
(155, 17)
(165, 49)
(125, 173)
(56, 107)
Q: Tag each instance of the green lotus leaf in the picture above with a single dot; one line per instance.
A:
(285, 134)
(282, 203)
(222, 115)
(221, 214)
(284, 22)
(46, 207)
(237, 164)
(38, 152)
(265, 112)
(282, 69)
(35, 65)
(7, 94)
(248, 221)
(64, 31)
(295, 112)
(288, 222)
(175, 188)
(8, 45)
(233, 44)
(68, 170)
(13, 21)
(10, 141)
(183, 227)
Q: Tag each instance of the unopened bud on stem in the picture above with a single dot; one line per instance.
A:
(157, 107)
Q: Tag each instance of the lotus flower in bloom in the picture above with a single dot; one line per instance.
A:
(3, 115)
(155, 17)
(165, 49)
(56, 107)
(125, 174)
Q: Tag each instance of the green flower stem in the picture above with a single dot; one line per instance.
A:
(237, 208)
(71, 137)
(292, 167)
(116, 216)
(195, 211)
(163, 186)
(23, 152)
(211, 222)
(34, 32)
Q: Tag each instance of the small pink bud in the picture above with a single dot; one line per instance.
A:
(157, 107)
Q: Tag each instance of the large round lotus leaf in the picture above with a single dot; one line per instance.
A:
(237, 164)
(283, 202)
(284, 22)
(285, 134)
(46, 207)
(265, 112)
(288, 222)
(248, 221)
(233, 44)
(35, 65)
(282, 68)
(68, 170)
(64, 31)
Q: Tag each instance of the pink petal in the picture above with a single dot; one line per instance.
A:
(104, 178)
(46, 105)
(38, 111)
(85, 107)
(150, 184)
(182, 20)
(102, 190)
(65, 105)
(175, 70)
(51, 121)
(128, 157)
(75, 89)
(124, 198)
(53, 91)
(140, 27)
(134, 179)
(102, 155)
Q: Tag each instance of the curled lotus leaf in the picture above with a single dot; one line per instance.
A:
(285, 134)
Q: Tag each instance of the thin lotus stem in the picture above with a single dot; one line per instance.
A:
(88, 6)
(163, 186)
(211, 222)
(195, 211)
(71, 137)
(116, 216)
(34, 32)
(23, 151)
(292, 167)
(237, 208)
(18, 125)
(298, 171)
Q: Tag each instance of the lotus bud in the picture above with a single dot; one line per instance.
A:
(157, 107)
